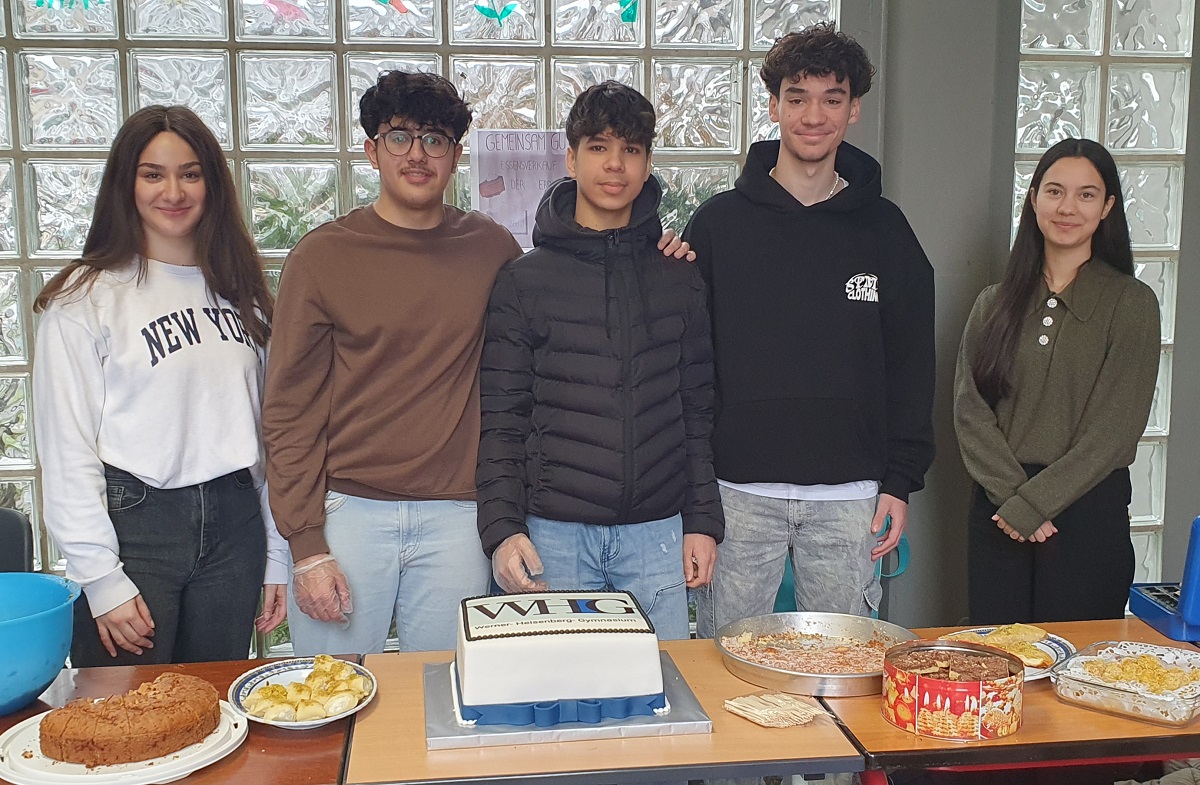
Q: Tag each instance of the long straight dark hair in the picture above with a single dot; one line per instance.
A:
(225, 253)
(992, 365)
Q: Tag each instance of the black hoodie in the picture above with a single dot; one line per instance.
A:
(822, 331)
(596, 380)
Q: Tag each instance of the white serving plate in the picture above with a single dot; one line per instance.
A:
(285, 672)
(1057, 647)
(22, 762)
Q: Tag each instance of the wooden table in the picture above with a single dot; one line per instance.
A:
(389, 737)
(267, 756)
(1052, 732)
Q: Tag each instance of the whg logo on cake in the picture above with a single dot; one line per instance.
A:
(554, 606)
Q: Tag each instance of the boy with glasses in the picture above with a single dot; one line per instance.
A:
(595, 470)
(371, 411)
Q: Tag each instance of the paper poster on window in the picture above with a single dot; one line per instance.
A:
(509, 172)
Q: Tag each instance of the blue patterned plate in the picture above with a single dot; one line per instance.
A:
(1056, 647)
(284, 672)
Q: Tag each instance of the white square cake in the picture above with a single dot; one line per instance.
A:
(557, 646)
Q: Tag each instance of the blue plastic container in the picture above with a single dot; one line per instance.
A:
(35, 634)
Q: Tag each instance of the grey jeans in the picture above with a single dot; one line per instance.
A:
(830, 544)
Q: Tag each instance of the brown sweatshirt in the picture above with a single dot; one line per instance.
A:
(373, 378)
(1083, 383)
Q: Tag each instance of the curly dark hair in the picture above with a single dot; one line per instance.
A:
(428, 100)
(611, 106)
(819, 50)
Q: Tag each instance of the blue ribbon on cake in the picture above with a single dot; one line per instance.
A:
(548, 713)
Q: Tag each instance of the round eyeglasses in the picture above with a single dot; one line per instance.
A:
(399, 141)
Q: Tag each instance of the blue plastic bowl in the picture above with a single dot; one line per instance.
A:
(35, 634)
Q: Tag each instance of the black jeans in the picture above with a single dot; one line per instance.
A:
(197, 554)
(1082, 572)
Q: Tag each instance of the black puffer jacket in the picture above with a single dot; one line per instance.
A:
(596, 380)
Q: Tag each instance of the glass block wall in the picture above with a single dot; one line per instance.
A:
(278, 81)
(1117, 71)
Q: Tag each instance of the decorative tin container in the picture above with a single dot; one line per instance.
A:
(957, 710)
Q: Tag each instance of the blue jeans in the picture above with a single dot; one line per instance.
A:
(197, 555)
(644, 559)
(412, 560)
(830, 544)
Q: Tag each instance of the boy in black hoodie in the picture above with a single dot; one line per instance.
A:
(822, 307)
(596, 384)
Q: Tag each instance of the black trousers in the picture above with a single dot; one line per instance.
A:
(1082, 572)
(197, 554)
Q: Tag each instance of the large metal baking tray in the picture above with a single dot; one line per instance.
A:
(852, 629)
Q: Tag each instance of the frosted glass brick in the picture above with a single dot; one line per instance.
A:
(1159, 422)
(363, 70)
(1147, 556)
(63, 194)
(716, 24)
(599, 22)
(1022, 177)
(3, 29)
(5, 112)
(194, 20)
(288, 100)
(404, 21)
(572, 75)
(273, 20)
(89, 21)
(687, 186)
(698, 103)
(771, 19)
(287, 200)
(459, 192)
(1149, 479)
(69, 98)
(16, 444)
(8, 209)
(1062, 26)
(364, 183)
(505, 22)
(272, 273)
(760, 125)
(1159, 275)
(1152, 27)
(1056, 101)
(13, 345)
(16, 493)
(197, 79)
(504, 92)
(1153, 203)
(1147, 108)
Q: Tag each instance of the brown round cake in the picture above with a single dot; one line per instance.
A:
(158, 718)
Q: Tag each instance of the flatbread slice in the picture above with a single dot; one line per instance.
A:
(1015, 632)
(1031, 655)
(968, 637)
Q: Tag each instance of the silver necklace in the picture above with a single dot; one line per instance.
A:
(837, 179)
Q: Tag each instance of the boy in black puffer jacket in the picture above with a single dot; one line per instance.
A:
(596, 383)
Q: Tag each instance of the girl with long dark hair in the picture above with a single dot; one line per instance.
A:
(147, 387)
(1054, 382)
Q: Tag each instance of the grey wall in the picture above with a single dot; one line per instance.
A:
(949, 81)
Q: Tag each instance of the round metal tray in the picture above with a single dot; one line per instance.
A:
(851, 629)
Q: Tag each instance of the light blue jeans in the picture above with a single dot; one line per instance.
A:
(644, 559)
(413, 560)
(830, 543)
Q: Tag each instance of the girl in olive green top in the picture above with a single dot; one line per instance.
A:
(1054, 383)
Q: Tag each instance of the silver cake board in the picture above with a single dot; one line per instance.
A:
(443, 732)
